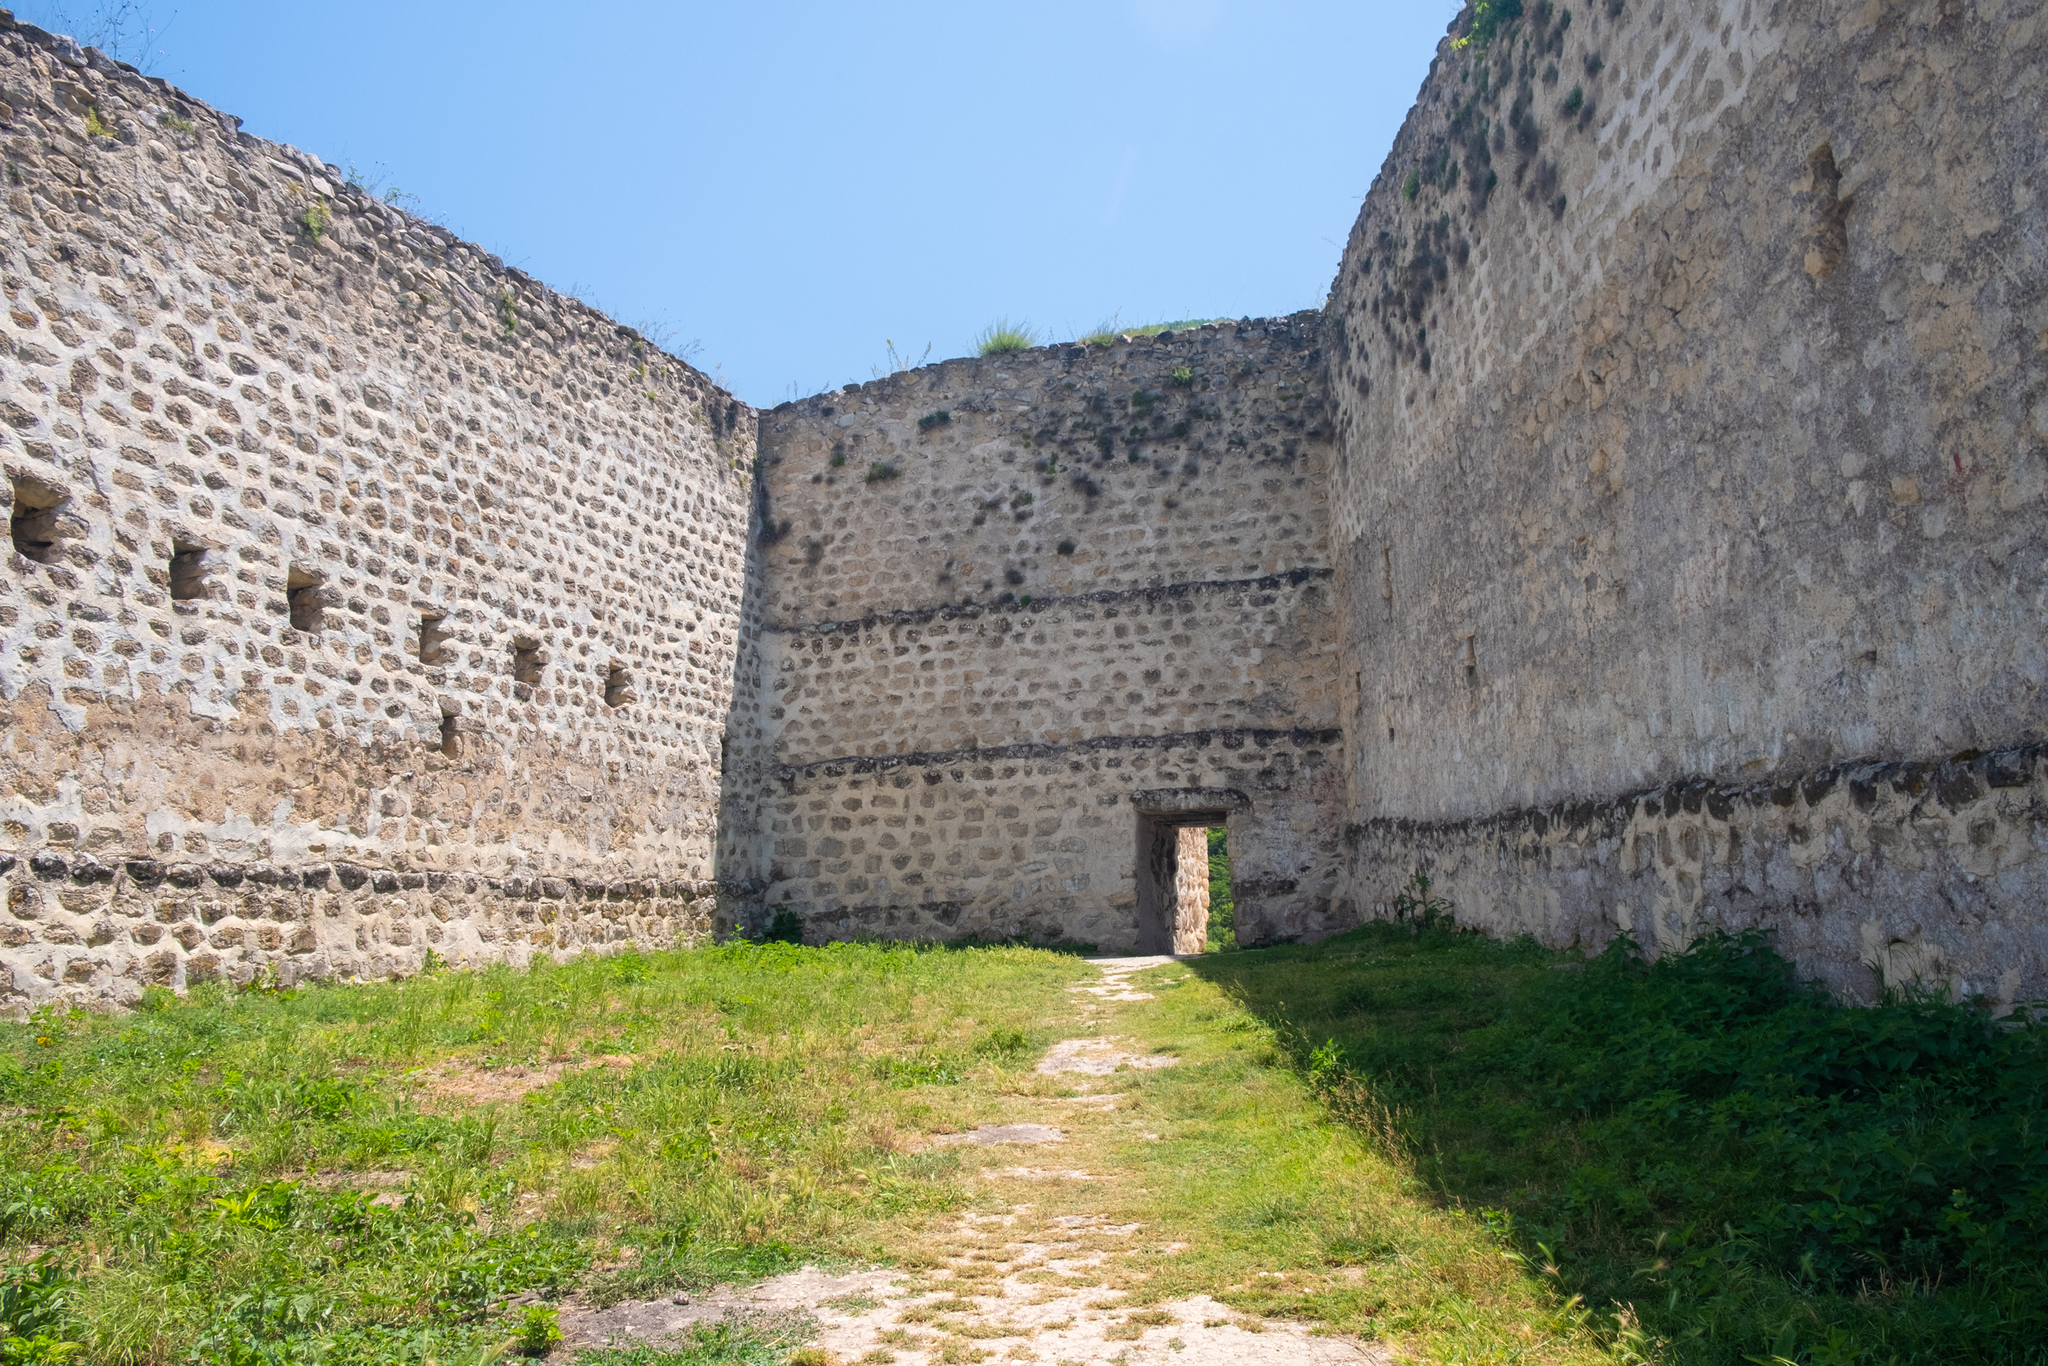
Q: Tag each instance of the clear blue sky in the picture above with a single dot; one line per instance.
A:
(790, 184)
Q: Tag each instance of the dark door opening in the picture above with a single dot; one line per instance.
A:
(1174, 879)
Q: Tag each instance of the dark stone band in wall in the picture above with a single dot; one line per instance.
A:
(1871, 876)
(1227, 738)
(1954, 782)
(918, 616)
(86, 871)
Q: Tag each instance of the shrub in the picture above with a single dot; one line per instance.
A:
(540, 1329)
(881, 472)
(1003, 336)
(931, 420)
(315, 221)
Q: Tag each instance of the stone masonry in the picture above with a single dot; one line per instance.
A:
(1645, 537)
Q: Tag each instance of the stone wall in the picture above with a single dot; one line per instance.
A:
(365, 596)
(1646, 537)
(1689, 359)
(1014, 601)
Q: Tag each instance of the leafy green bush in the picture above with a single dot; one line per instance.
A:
(34, 1301)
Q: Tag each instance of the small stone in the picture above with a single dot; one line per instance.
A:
(679, 1298)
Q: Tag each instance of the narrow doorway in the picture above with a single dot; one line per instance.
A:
(1176, 878)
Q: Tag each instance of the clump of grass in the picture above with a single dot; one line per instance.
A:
(316, 220)
(508, 320)
(182, 126)
(1110, 331)
(881, 472)
(930, 420)
(96, 126)
(1002, 336)
(1742, 1164)
(1181, 376)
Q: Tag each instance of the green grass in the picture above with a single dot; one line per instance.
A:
(1002, 336)
(209, 1167)
(1107, 332)
(1749, 1170)
(1474, 1151)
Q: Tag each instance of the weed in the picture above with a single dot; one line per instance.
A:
(1413, 902)
(1488, 18)
(508, 315)
(930, 420)
(540, 1329)
(898, 361)
(1181, 376)
(1001, 1042)
(35, 1299)
(881, 472)
(1575, 101)
(838, 458)
(1109, 331)
(1003, 336)
(182, 127)
(1412, 186)
(97, 127)
(316, 220)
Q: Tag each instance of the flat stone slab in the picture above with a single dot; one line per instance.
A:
(1096, 1058)
(991, 1134)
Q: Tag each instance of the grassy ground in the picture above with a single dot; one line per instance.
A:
(1750, 1171)
(370, 1174)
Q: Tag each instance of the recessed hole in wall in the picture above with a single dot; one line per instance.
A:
(432, 638)
(526, 660)
(189, 571)
(618, 686)
(1830, 230)
(451, 737)
(35, 524)
(304, 599)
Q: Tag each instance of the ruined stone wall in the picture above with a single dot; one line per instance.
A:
(365, 596)
(1013, 601)
(1689, 358)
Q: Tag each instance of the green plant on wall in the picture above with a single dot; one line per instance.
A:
(1487, 18)
(95, 126)
(881, 472)
(316, 220)
(1003, 336)
(508, 319)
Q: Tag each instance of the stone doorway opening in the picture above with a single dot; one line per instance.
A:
(1173, 878)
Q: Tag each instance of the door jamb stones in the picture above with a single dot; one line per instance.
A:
(1171, 823)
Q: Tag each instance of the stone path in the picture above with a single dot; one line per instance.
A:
(999, 1295)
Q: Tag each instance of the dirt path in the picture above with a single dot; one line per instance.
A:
(1042, 1269)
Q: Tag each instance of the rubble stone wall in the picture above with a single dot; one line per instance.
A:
(1014, 601)
(339, 551)
(1689, 358)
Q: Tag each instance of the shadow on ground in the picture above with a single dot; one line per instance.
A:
(1703, 1148)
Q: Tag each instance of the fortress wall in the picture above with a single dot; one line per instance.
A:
(1688, 495)
(1083, 581)
(523, 530)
